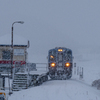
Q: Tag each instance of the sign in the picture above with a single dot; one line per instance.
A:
(2, 82)
(3, 96)
(18, 51)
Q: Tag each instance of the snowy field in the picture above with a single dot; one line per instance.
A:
(58, 90)
(73, 89)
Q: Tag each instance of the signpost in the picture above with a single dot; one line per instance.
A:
(2, 82)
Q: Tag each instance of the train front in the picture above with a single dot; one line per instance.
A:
(60, 63)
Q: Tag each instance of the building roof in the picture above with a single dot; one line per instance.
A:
(5, 40)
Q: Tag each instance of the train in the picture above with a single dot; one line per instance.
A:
(60, 63)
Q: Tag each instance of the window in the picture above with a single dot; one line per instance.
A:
(18, 52)
(6, 54)
(68, 55)
(52, 55)
(60, 57)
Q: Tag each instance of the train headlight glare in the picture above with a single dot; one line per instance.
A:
(51, 56)
(53, 64)
(60, 50)
(67, 64)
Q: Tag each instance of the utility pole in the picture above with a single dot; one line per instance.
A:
(21, 22)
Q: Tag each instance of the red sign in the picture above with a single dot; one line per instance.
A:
(9, 62)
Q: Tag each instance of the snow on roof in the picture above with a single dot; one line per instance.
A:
(17, 40)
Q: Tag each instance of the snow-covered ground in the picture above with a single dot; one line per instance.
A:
(73, 89)
(58, 90)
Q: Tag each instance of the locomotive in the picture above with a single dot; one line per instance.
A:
(60, 63)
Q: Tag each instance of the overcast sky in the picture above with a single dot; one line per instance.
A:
(74, 24)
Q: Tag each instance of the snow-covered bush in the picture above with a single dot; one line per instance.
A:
(96, 83)
(98, 87)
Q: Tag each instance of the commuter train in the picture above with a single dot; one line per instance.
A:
(60, 62)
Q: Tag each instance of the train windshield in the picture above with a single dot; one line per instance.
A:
(68, 56)
(52, 55)
(60, 57)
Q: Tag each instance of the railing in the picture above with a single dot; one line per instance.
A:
(41, 66)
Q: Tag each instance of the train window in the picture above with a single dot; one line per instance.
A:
(60, 57)
(68, 56)
(52, 55)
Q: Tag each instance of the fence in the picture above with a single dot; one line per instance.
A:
(78, 71)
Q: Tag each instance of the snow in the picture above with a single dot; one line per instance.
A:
(72, 89)
(38, 72)
(58, 90)
(17, 40)
(91, 67)
(74, 24)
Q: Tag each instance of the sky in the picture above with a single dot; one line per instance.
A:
(73, 24)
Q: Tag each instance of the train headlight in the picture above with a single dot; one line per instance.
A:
(53, 64)
(67, 64)
(51, 56)
(60, 50)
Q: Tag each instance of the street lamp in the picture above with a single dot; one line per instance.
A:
(21, 22)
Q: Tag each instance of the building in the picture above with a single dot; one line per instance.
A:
(20, 54)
